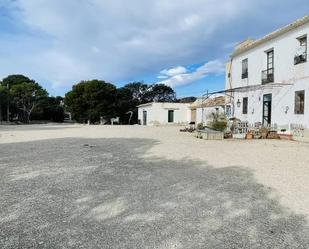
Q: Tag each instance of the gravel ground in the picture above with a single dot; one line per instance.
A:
(136, 187)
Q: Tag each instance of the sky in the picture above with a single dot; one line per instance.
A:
(181, 43)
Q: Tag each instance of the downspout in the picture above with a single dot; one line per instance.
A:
(231, 86)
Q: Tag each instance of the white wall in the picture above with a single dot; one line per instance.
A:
(285, 48)
(285, 71)
(202, 114)
(157, 113)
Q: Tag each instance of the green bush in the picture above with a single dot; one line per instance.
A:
(218, 121)
(200, 126)
(219, 125)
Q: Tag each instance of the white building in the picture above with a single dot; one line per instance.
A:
(202, 109)
(267, 80)
(180, 113)
(164, 113)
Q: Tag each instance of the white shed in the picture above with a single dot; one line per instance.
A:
(164, 113)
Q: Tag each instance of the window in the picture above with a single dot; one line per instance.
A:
(245, 105)
(270, 59)
(244, 74)
(301, 53)
(171, 116)
(268, 74)
(299, 102)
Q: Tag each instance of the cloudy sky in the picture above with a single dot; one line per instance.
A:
(182, 43)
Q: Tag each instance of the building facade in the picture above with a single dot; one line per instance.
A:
(267, 80)
(164, 113)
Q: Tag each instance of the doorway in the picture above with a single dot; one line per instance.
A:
(171, 116)
(144, 117)
(267, 101)
(193, 115)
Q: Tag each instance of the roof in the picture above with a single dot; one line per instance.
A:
(249, 44)
(167, 103)
(211, 102)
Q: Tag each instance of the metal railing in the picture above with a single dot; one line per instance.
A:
(244, 75)
(268, 76)
(300, 58)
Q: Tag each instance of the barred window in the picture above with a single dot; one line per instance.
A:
(245, 105)
(299, 102)
(244, 74)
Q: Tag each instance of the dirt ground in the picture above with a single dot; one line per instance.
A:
(171, 190)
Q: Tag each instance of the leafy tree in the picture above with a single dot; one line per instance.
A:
(138, 91)
(26, 96)
(3, 100)
(160, 93)
(89, 100)
(187, 100)
(15, 79)
(49, 108)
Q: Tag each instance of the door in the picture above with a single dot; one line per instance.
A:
(171, 116)
(267, 101)
(144, 117)
(193, 115)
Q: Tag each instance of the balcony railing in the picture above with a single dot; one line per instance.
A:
(244, 75)
(268, 76)
(300, 58)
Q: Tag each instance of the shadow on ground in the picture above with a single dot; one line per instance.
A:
(101, 193)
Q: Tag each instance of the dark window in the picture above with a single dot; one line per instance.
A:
(171, 116)
(299, 102)
(270, 59)
(244, 74)
(245, 105)
(268, 74)
(301, 54)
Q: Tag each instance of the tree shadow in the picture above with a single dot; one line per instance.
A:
(102, 193)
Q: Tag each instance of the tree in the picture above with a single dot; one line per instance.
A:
(138, 91)
(49, 108)
(160, 93)
(3, 100)
(90, 100)
(26, 96)
(187, 100)
(15, 79)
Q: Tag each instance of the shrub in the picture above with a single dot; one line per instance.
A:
(218, 121)
(200, 126)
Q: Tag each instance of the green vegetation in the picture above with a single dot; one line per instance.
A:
(95, 99)
(218, 121)
(22, 99)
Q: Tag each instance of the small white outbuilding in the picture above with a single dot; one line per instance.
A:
(164, 113)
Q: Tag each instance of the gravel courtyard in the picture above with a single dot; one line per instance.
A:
(74, 186)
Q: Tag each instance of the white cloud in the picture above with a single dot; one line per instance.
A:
(173, 71)
(184, 77)
(122, 40)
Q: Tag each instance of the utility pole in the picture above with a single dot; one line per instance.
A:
(8, 106)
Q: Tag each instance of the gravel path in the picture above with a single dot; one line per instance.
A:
(118, 192)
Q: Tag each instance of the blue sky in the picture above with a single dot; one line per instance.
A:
(182, 43)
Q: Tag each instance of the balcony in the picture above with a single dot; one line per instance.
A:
(268, 76)
(300, 58)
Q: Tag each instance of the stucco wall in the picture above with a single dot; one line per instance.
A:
(202, 114)
(285, 71)
(285, 48)
(157, 113)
